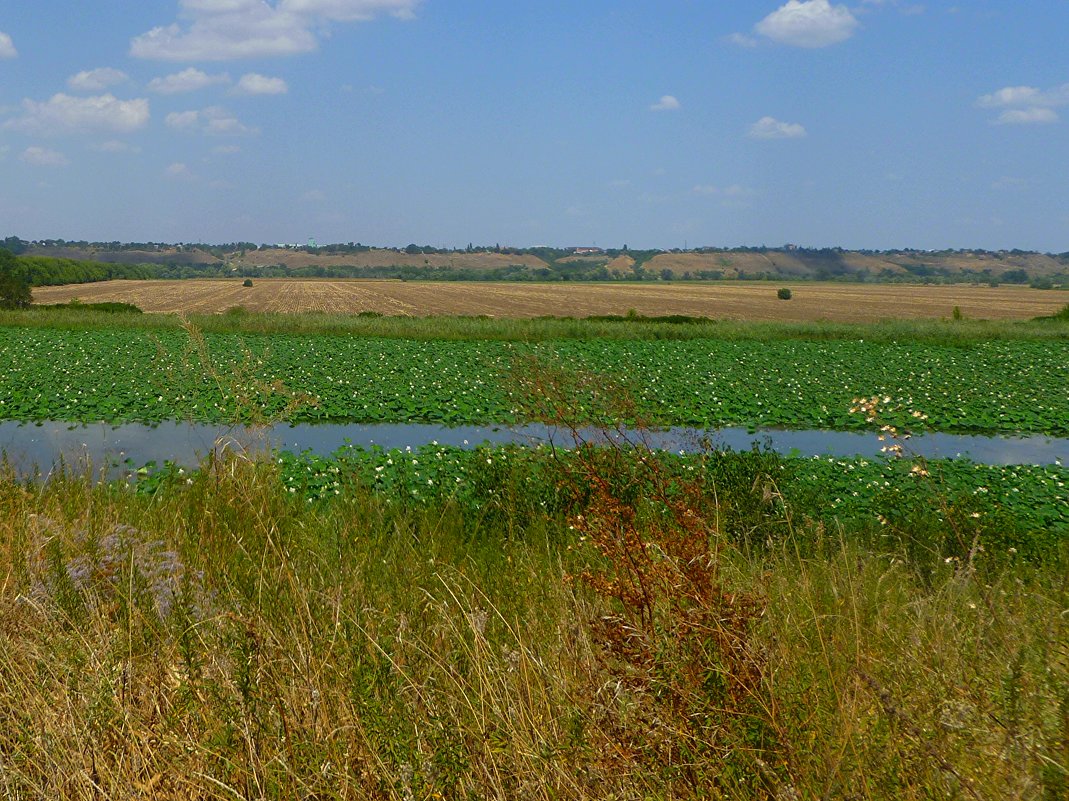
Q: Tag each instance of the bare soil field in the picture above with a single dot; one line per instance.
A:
(718, 300)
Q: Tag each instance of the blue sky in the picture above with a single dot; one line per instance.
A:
(870, 124)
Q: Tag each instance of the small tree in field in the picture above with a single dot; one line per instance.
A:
(784, 294)
(247, 282)
(14, 289)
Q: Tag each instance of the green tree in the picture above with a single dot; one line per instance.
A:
(14, 289)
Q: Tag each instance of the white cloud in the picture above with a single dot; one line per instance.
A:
(666, 103)
(43, 157)
(1027, 116)
(213, 120)
(771, 128)
(734, 191)
(220, 30)
(255, 84)
(7, 47)
(221, 122)
(182, 119)
(96, 80)
(1025, 105)
(188, 80)
(114, 146)
(1025, 96)
(178, 171)
(253, 33)
(808, 23)
(1009, 96)
(226, 150)
(314, 196)
(4, 150)
(351, 10)
(63, 114)
(909, 9)
(742, 40)
(737, 190)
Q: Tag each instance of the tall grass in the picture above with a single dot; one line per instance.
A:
(226, 639)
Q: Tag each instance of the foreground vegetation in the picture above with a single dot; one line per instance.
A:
(598, 623)
(652, 637)
(894, 500)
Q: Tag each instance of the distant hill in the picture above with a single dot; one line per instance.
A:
(831, 264)
(547, 263)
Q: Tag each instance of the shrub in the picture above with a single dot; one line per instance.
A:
(247, 282)
(14, 288)
(784, 294)
(108, 307)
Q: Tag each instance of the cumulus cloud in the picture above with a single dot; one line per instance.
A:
(188, 80)
(43, 157)
(1027, 116)
(1025, 105)
(1025, 96)
(96, 80)
(214, 120)
(7, 47)
(771, 128)
(314, 196)
(226, 150)
(255, 84)
(666, 103)
(64, 114)
(219, 30)
(182, 119)
(808, 23)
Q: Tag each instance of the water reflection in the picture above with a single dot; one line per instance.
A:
(48, 444)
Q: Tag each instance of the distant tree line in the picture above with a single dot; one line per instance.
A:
(186, 260)
(47, 271)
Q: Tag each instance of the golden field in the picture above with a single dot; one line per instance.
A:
(837, 302)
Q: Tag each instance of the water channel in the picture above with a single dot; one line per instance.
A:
(42, 446)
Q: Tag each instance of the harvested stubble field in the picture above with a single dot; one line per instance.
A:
(720, 300)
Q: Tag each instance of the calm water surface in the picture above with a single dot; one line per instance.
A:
(43, 446)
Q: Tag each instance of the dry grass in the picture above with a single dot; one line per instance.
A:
(720, 300)
(224, 639)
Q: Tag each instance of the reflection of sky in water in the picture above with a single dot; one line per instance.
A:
(27, 445)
